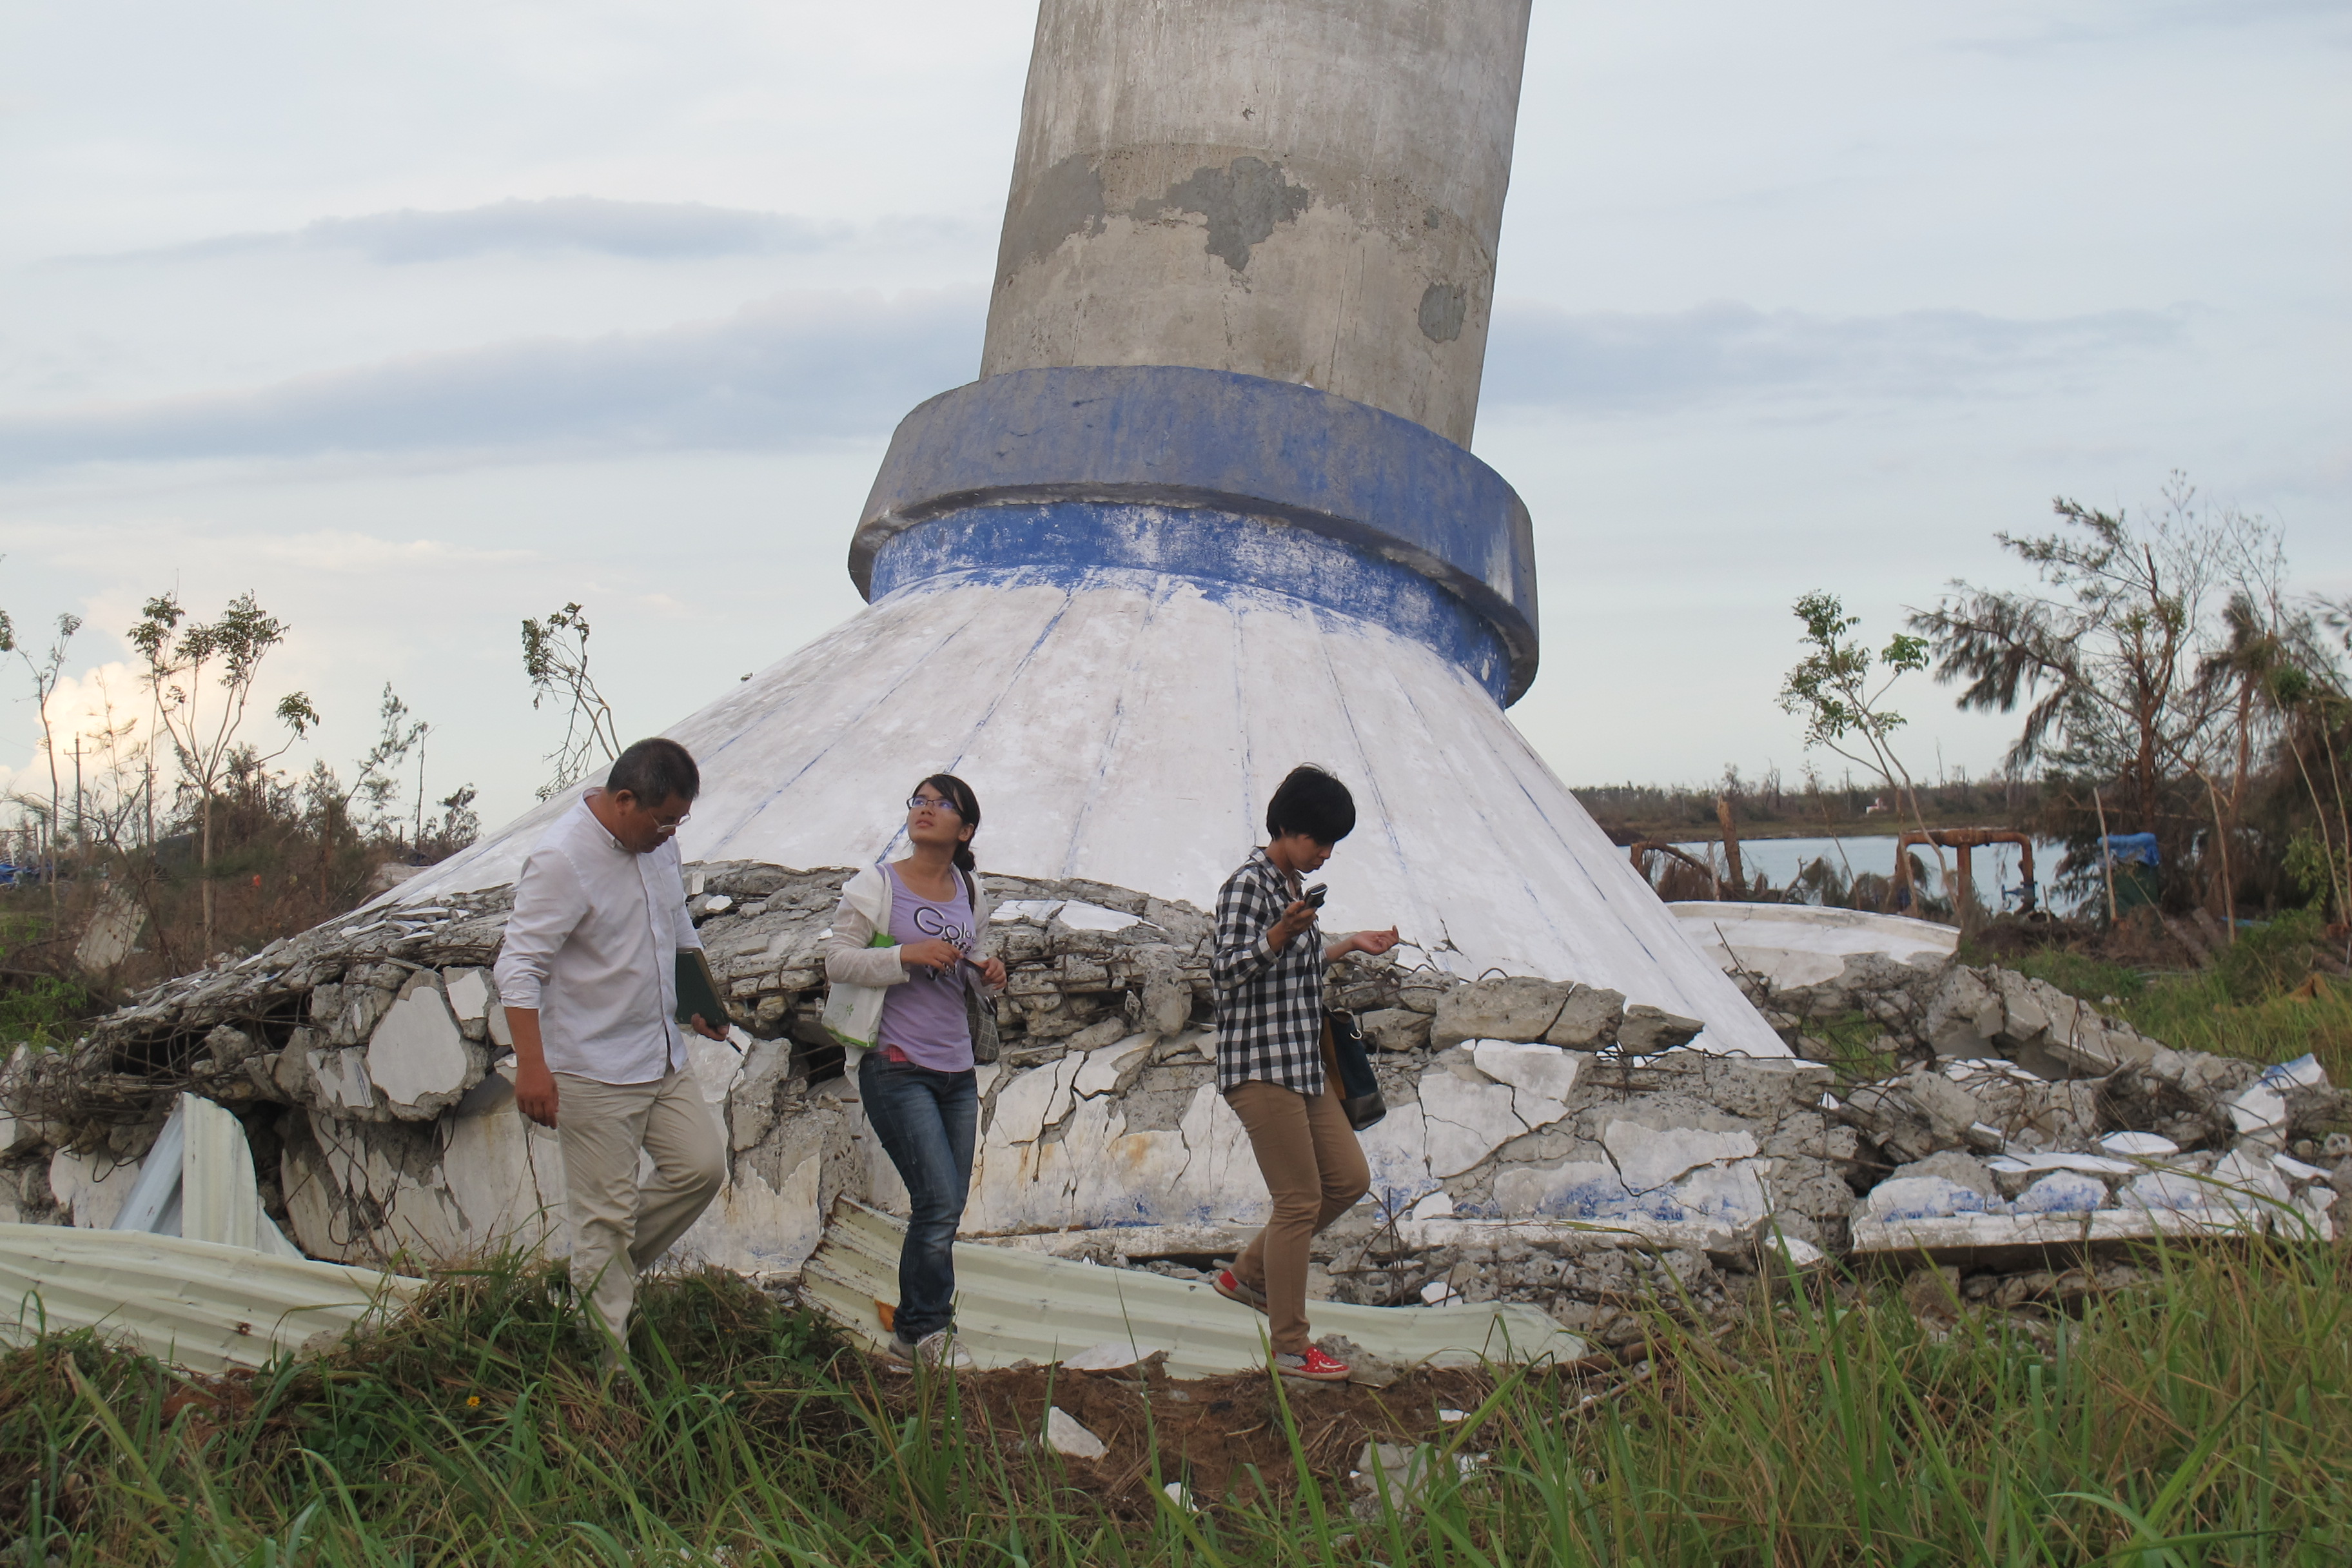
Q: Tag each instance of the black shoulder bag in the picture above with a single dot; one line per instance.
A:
(1348, 1064)
(979, 1011)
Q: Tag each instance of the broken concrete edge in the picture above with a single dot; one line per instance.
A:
(388, 1040)
(1672, 1158)
(340, 1016)
(2004, 1244)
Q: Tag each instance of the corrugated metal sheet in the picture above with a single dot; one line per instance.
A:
(197, 1304)
(1017, 1305)
(197, 1182)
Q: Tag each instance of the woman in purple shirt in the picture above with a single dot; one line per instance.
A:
(918, 1083)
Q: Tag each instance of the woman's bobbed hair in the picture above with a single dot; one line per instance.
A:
(967, 806)
(1312, 802)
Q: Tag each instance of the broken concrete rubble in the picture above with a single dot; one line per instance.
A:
(365, 1056)
(1547, 1142)
(1064, 1435)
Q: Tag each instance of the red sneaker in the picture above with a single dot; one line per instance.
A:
(1314, 1365)
(1233, 1289)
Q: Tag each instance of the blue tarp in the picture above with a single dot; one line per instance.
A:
(2131, 848)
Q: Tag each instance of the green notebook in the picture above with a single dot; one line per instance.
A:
(698, 990)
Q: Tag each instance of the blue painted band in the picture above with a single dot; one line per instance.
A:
(1068, 543)
(1211, 441)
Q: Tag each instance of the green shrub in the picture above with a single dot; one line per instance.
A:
(42, 1010)
(2272, 957)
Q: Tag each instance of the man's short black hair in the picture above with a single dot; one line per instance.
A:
(653, 771)
(1312, 802)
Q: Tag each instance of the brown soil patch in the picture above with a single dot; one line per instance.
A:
(1225, 1437)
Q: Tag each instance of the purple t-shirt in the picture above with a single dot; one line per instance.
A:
(924, 1018)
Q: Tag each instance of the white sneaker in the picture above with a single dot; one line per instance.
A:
(939, 1348)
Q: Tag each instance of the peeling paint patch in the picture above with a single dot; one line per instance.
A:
(1443, 308)
(1242, 201)
(1066, 199)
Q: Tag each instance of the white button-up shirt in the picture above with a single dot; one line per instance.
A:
(593, 944)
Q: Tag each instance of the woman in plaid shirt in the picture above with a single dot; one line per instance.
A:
(1270, 986)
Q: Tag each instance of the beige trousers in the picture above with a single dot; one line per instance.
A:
(1315, 1172)
(619, 1228)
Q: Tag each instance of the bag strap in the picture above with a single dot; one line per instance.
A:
(971, 897)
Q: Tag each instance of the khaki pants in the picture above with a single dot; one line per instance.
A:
(618, 1228)
(1315, 1172)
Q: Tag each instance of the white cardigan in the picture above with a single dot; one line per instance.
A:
(864, 910)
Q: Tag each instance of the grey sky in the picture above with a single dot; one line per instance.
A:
(420, 320)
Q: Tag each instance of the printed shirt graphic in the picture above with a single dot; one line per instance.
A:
(924, 1018)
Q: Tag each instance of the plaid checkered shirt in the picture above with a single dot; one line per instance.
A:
(1269, 1004)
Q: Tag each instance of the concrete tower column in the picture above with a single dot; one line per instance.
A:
(1239, 320)
(1208, 513)
(1308, 191)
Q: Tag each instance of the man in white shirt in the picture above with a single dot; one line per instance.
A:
(588, 975)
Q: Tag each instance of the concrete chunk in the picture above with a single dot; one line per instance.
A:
(1064, 1435)
(1396, 1029)
(469, 992)
(1512, 1007)
(418, 1056)
(1648, 1158)
(1647, 1030)
(1922, 1197)
(2062, 1192)
(1955, 1167)
(1466, 1121)
(1587, 1021)
(1544, 1075)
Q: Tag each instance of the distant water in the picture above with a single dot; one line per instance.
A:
(1995, 866)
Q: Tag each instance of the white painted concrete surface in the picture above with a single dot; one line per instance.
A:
(1129, 727)
(1801, 944)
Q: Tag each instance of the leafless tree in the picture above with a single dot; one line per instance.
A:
(2110, 656)
(555, 657)
(376, 783)
(46, 670)
(203, 732)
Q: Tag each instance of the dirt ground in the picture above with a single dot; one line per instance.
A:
(1224, 1436)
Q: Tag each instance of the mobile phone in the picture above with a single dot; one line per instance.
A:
(1316, 894)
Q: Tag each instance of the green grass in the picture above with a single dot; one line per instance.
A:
(42, 1011)
(36, 1007)
(2206, 1419)
(1849, 1037)
(2244, 1005)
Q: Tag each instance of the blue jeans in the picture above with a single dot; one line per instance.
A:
(927, 1122)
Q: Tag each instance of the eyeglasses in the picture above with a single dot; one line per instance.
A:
(931, 803)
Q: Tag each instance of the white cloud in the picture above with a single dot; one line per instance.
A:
(345, 550)
(2111, 22)
(468, 396)
(645, 231)
(1627, 361)
(805, 368)
(105, 708)
(791, 371)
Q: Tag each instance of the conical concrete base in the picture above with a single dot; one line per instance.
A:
(1128, 726)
